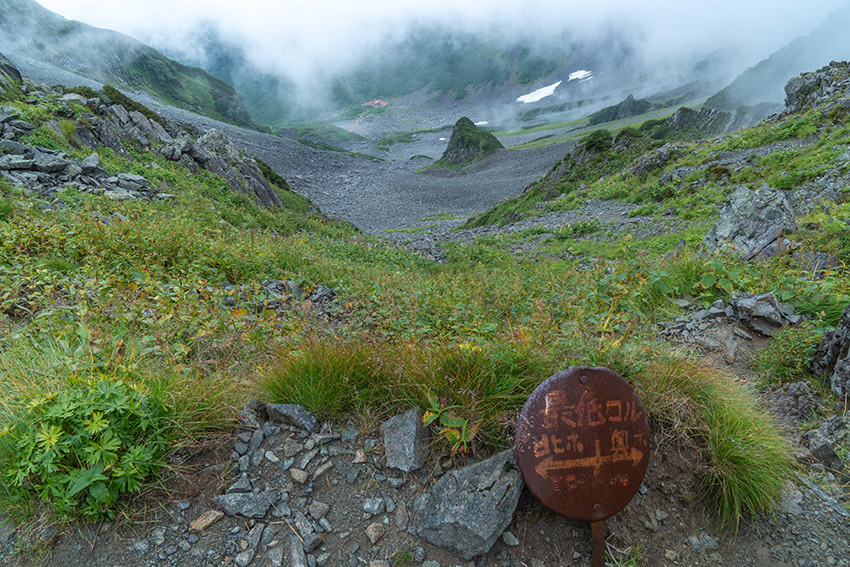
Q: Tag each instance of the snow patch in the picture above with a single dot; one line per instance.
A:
(539, 93)
(581, 75)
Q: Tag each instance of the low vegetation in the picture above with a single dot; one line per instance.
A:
(166, 337)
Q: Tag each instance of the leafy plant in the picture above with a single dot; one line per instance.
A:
(81, 448)
(459, 432)
(788, 355)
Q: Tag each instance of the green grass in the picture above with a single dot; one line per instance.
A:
(442, 216)
(82, 301)
(413, 229)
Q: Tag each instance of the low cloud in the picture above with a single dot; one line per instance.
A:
(308, 40)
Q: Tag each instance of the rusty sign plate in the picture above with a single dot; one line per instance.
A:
(582, 443)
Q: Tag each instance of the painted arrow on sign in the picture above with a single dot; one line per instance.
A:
(595, 462)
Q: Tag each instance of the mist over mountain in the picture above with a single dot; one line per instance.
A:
(36, 38)
(765, 81)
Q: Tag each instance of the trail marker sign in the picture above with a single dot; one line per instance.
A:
(582, 445)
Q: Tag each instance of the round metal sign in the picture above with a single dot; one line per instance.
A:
(582, 443)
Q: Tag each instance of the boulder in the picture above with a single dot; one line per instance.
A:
(405, 441)
(469, 508)
(763, 313)
(752, 224)
(216, 152)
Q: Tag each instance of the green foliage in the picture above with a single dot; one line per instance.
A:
(579, 228)
(788, 355)
(84, 446)
(457, 431)
(598, 141)
(87, 92)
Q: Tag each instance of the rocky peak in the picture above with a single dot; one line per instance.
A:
(469, 143)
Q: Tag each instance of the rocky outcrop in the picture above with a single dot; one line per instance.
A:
(753, 223)
(216, 153)
(9, 74)
(45, 172)
(763, 313)
(469, 143)
(625, 109)
(700, 123)
(832, 356)
(105, 123)
(813, 89)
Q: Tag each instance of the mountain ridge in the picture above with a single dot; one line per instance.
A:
(105, 56)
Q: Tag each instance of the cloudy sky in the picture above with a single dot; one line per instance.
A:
(298, 36)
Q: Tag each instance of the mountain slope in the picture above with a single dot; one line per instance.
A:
(29, 32)
(765, 81)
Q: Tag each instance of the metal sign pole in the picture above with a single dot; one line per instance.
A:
(597, 535)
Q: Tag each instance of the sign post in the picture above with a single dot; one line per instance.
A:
(582, 445)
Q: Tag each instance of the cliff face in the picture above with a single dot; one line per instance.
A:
(9, 74)
(34, 33)
(469, 143)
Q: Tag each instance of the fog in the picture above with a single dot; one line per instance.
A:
(308, 41)
(303, 39)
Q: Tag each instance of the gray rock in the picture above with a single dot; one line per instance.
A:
(375, 531)
(293, 414)
(250, 505)
(244, 558)
(9, 74)
(13, 147)
(822, 441)
(255, 535)
(832, 350)
(256, 440)
(763, 313)
(405, 441)
(840, 380)
(275, 556)
(318, 510)
(752, 223)
(373, 506)
(13, 161)
(469, 508)
(322, 294)
(510, 539)
(120, 113)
